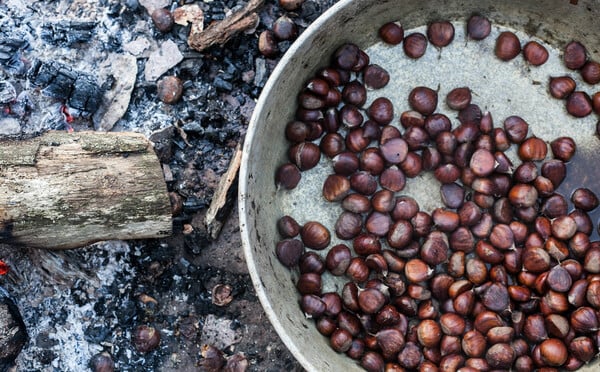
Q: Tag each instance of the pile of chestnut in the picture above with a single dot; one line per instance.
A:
(503, 276)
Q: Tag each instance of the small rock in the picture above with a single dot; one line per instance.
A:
(137, 46)
(9, 127)
(190, 13)
(123, 68)
(218, 332)
(169, 89)
(7, 92)
(152, 5)
(162, 60)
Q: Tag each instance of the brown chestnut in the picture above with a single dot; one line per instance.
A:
(287, 176)
(392, 33)
(415, 45)
(145, 338)
(478, 27)
(579, 104)
(562, 86)
(575, 55)
(314, 235)
(508, 46)
(590, 72)
(584, 199)
(289, 251)
(535, 53)
(440, 33)
(375, 77)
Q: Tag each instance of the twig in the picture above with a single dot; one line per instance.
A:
(221, 32)
(222, 201)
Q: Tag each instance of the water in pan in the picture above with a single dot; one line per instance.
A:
(502, 88)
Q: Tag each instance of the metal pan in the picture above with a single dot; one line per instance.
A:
(503, 88)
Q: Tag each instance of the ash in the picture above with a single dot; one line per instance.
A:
(94, 65)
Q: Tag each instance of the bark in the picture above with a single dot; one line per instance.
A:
(65, 190)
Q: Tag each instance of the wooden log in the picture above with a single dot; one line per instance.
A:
(66, 190)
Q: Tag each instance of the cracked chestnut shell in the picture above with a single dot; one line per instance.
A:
(145, 338)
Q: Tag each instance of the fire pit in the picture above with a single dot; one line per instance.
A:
(503, 88)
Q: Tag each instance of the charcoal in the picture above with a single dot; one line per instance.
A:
(67, 33)
(10, 53)
(78, 89)
(7, 92)
(14, 335)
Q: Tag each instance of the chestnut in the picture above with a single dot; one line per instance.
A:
(417, 270)
(375, 77)
(584, 199)
(340, 340)
(315, 236)
(535, 53)
(423, 99)
(575, 55)
(579, 104)
(500, 356)
(346, 56)
(553, 352)
(365, 244)
(305, 155)
(354, 93)
(590, 72)
(440, 33)
(267, 44)
(482, 162)
(287, 176)
(284, 28)
(393, 179)
(562, 86)
(335, 187)
(371, 300)
(429, 333)
(478, 27)
(289, 251)
(516, 129)
(357, 270)
(533, 149)
(507, 46)
(332, 144)
(391, 33)
(459, 98)
(372, 361)
(415, 45)
(563, 148)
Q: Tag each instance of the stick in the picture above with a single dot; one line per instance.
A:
(224, 196)
(221, 32)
